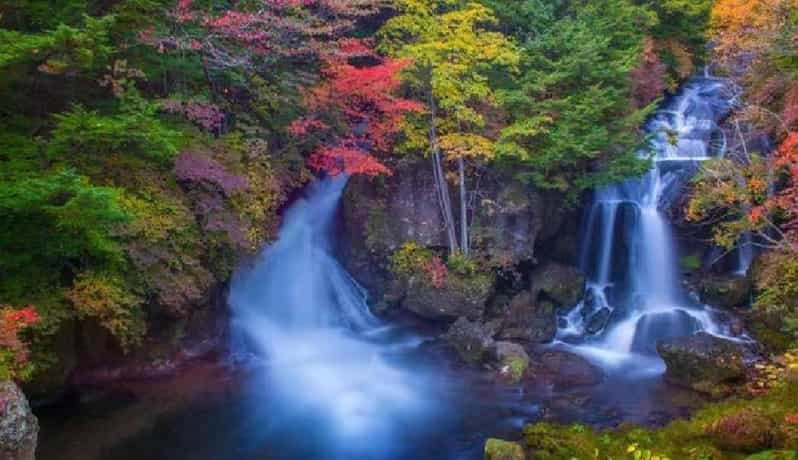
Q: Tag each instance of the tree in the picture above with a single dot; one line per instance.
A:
(354, 114)
(454, 53)
(571, 126)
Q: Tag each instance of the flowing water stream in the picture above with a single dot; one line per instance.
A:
(316, 376)
(634, 296)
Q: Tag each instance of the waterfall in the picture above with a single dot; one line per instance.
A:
(333, 373)
(634, 296)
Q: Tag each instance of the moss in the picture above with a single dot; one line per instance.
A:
(496, 449)
(764, 421)
(516, 367)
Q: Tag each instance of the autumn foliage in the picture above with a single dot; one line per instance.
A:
(354, 113)
(13, 351)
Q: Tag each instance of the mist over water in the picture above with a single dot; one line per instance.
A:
(630, 255)
(335, 375)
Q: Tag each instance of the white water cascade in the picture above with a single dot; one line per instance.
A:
(334, 374)
(634, 297)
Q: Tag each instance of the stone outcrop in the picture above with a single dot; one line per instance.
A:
(566, 369)
(19, 428)
(725, 291)
(529, 320)
(562, 284)
(702, 361)
(471, 340)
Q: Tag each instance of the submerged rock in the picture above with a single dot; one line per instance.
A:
(497, 449)
(567, 369)
(702, 361)
(526, 319)
(562, 284)
(19, 428)
(472, 340)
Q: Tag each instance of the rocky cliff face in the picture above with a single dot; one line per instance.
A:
(523, 241)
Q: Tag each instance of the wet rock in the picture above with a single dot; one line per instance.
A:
(702, 362)
(563, 284)
(725, 291)
(528, 320)
(512, 359)
(472, 340)
(749, 430)
(19, 428)
(497, 449)
(461, 296)
(598, 321)
(566, 369)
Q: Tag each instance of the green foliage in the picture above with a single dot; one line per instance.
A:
(410, 259)
(571, 125)
(690, 263)
(108, 300)
(83, 136)
(52, 224)
(63, 50)
(462, 264)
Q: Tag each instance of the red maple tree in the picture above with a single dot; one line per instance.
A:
(352, 115)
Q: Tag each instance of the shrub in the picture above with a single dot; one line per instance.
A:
(105, 298)
(14, 363)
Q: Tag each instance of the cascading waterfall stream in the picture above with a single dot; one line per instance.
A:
(634, 297)
(330, 363)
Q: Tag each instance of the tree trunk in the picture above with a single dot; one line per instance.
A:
(444, 199)
(464, 242)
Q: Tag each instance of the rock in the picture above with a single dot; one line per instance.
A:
(472, 340)
(567, 369)
(496, 449)
(508, 220)
(725, 291)
(513, 360)
(749, 430)
(702, 361)
(598, 321)
(528, 320)
(19, 428)
(461, 296)
(562, 284)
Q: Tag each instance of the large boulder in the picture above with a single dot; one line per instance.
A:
(725, 291)
(702, 361)
(497, 449)
(460, 296)
(562, 284)
(19, 428)
(472, 340)
(529, 320)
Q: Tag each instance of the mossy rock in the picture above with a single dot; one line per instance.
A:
(497, 449)
(562, 284)
(702, 361)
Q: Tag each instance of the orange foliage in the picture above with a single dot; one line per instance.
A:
(437, 271)
(746, 27)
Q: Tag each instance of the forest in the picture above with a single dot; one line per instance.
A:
(223, 221)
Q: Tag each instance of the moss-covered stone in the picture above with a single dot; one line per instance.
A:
(702, 362)
(562, 284)
(497, 449)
